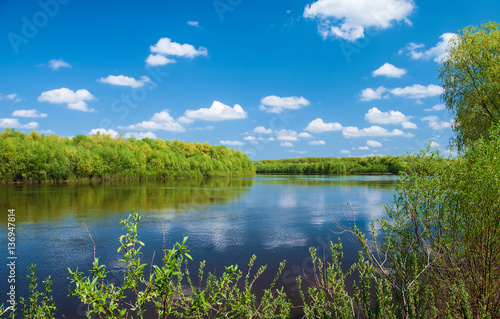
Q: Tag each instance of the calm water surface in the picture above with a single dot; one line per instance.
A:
(227, 220)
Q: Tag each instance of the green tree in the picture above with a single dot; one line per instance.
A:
(470, 77)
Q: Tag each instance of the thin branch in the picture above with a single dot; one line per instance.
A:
(90, 238)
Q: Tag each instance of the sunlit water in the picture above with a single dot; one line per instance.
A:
(227, 220)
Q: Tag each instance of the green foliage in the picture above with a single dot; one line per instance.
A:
(445, 231)
(38, 305)
(333, 165)
(170, 289)
(470, 78)
(34, 157)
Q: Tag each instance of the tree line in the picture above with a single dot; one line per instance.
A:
(34, 158)
(334, 165)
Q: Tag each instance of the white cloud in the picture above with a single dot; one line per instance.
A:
(319, 126)
(437, 107)
(103, 131)
(352, 131)
(417, 91)
(389, 71)
(409, 125)
(158, 59)
(370, 94)
(287, 135)
(250, 138)
(115, 134)
(262, 130)
(436, 123)
(166, 47)
(363, 148)
(345, 152)
(305, 135)
(232, 143)
(140, 135)
(276, 104)
(14, 123)
(438, 52)
(217, 112)
(435, 144)
(348, 19)
(373, 143)
(56, 64)
(286, 144)
(123, 80)
(74, 100)
(194, 23)
(28, 113)
(376, 116)
(11, 97)
(160, 121)
(319, 142)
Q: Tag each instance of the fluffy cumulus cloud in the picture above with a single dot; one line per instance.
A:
(14, 123)
(75, 100)
(348, 19)
(305, 135)
(158, 59)
(435, 144)
(345, 152)
(115, 134)
(28, 113)
(160, 121)
(286, 144)
(418, 91)
(216, 112)
(373, 143)
(232, 143)
(319, 126)
(376, 116)
(439, 52)
(276, 104)
(389, 70)
(437, 107)
(363, 148)
(436, 123)
(319, 142)
(352, 131)
(287, 135)
(122, 80)
(262, 130)
(56, 64)
(10, 97)
(370, 94)
(166, 47)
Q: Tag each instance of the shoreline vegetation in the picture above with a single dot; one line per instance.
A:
(371, 165)
(35, 158)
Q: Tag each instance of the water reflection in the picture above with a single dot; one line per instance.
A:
(54, 201)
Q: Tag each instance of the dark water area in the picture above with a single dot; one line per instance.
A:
(227, 220)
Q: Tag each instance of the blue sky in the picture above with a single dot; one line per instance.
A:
(275, 79)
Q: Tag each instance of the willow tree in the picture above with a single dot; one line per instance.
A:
(470, 77)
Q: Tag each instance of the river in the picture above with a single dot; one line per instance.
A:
(275, 217)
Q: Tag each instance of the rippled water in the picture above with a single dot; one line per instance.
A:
(227, 220)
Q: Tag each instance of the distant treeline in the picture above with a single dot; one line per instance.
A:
(34, 157)
(333, 165)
